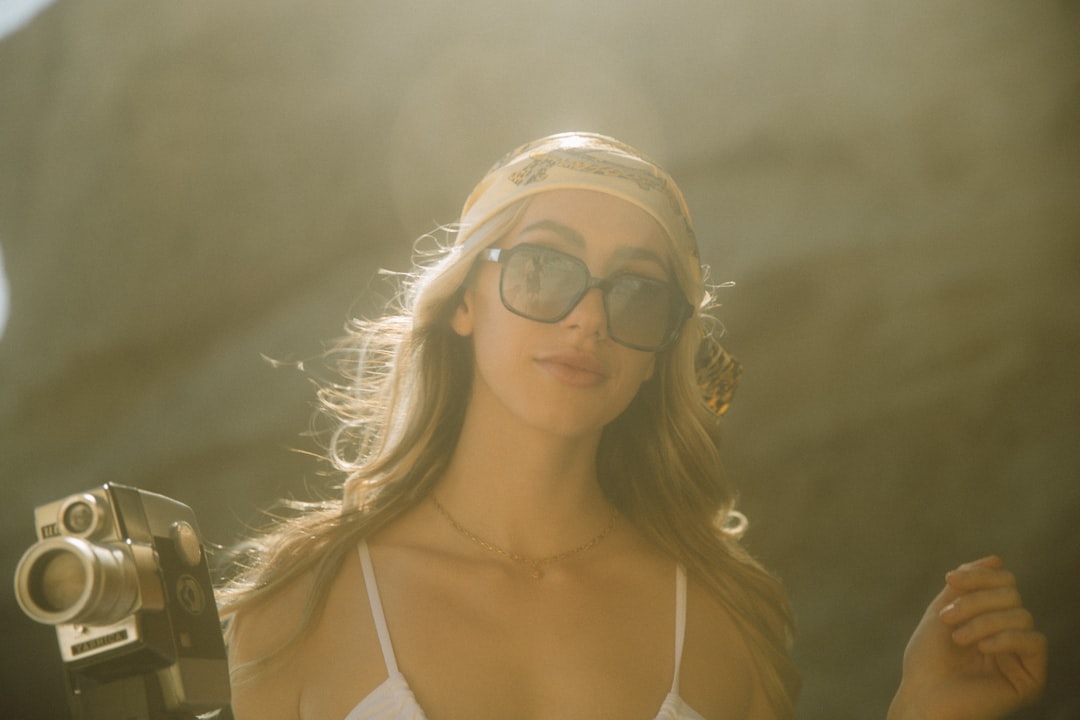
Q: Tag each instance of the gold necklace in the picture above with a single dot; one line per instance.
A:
(536, 564)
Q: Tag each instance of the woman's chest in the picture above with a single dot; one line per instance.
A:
(566, 654)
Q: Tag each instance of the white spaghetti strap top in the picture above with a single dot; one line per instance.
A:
(680, 623)
(377, 610)
(674, 707)
(394, 699)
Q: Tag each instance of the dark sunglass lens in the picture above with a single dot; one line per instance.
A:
(542, 284)
(641, 311)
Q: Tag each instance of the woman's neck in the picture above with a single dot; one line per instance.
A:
(525, 490)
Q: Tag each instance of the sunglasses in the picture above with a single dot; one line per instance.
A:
(544, 285)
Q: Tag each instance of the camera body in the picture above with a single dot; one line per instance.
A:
(122, 575)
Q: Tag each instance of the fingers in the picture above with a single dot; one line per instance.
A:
(980, 602)
(1021, 659)
(989, 625)
(985, 573)
(984, 610)
(991, 561)
(1025, 644)
(978, 620)
(984, 602)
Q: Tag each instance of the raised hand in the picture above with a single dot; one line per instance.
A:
(975, 654)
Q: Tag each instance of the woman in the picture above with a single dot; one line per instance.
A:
(534, 522)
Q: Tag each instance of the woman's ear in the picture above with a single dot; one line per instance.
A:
(462, 319)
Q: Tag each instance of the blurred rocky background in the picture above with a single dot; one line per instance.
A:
(189, 188)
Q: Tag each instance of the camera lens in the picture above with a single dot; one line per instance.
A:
(70, 580)
(57, 580)
(79, 517)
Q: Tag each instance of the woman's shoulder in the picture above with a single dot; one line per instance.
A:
(265, 650)
(296, 656)
(718, 677)
(266, 624)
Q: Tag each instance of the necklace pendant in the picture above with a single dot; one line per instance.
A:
(537, 572)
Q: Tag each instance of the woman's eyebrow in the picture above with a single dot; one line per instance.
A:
(629, 252)
(622, 253)
(566, 232)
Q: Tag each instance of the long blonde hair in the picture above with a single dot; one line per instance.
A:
(397, 418)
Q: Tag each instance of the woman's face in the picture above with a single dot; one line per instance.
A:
(566, 377)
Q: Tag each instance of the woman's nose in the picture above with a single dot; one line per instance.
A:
(589, 315)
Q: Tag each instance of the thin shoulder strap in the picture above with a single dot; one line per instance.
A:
(377, 610)
(680, 622)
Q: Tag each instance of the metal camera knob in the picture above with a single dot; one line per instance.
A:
(186, 540)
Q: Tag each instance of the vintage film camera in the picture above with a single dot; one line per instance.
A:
(122, 575)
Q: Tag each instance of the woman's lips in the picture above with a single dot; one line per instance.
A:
(576, 369)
